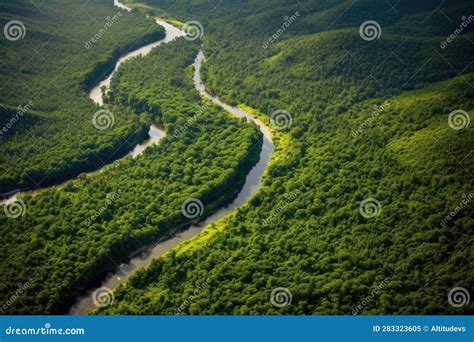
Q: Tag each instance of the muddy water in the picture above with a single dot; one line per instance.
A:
(252, 184)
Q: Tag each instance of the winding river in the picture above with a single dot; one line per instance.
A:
(252, 184)
(156, 131)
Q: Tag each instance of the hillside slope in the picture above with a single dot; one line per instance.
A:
(67, 46)
(370, 121)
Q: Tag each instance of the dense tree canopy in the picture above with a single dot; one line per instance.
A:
(68, 46)
(369, 120)
(69, 237)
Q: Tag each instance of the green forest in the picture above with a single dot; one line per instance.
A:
(61, 245)
(370, 119)
(50, 71)
(320, 248)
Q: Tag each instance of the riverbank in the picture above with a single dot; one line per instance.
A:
(144, 256)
